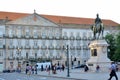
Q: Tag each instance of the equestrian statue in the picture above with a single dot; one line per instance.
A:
(97, 28)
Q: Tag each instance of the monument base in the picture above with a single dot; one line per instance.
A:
(98, 56)
(104, 66)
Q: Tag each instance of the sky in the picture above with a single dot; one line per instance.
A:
(107, 9)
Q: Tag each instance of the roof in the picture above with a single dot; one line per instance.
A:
(58, 19)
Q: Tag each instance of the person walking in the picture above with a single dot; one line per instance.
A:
(97, 68)
(113, 71)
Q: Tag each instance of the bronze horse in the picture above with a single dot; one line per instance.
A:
(97, 28)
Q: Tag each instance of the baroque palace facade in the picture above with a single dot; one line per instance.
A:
(33, 37)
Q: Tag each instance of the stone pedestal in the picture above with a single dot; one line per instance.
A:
(98, 51)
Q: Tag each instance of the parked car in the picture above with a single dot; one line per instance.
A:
(8, 71)
(80, 66)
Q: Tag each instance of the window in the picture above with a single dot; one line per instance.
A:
(19, 42)
(1, 43)
(10, 32)
(35, 42)
(26, 55)
(11, 42)
(35, 34)
(27, 32)
(19, 33)
(27, 42)
(1, 53)
(11, 53)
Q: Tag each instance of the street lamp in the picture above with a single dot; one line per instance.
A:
(36, 63)
(68, 71)
(19, 52)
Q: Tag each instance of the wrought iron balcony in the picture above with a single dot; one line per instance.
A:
(20, 36)
(11, 58)
(43, 37)
(19, 58)
(27, 47)
(85, 47)
(43, 47)
(19, 47)
(57, 37)
(51, 47)
(72, 47)
(35, 37)
(35, 47)
(58, 47)
(10, 36)
(78, 47)
(11, 47)
(78, 38)
(27, 36)
(65, 37)
(51, 37)
(84, 38)
(72, 38)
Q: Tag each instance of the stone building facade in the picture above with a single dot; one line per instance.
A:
(34, 38)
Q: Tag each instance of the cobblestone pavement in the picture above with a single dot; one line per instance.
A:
(75, 74)
(19, 76)
(80, 74)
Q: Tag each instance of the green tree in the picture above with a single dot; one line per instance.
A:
(116, 56)
(111, 48)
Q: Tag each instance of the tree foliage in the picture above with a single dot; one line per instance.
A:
(111, 48)
(114, 46)
(116, 56)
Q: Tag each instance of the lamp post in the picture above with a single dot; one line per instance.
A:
(71, 62)
(19, 51)
(68, 71)
(36, 63)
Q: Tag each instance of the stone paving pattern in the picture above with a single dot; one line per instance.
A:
(79, 74)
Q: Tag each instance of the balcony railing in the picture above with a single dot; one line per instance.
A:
(84, 38)
(19, 58)
(65, 38)
(72, 38)
(20, 47)
(27, 36)
(43, 37)
(72, 47)
(35, 37)
(57, 37)
(11, 47)
(27, 47)
(43, 47)
(58, 48)
(51, 47)
(85, 47)
(78, 47)
(50, 37)
(11, 58)
(78, 38)
(35, 47)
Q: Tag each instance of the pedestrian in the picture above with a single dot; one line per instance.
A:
(33, 69)
(63, 67)
(49, 69)
(113, 71)
(42, 68)
(97, 68)
(46, 68)
(27, 69)
(86, 68)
